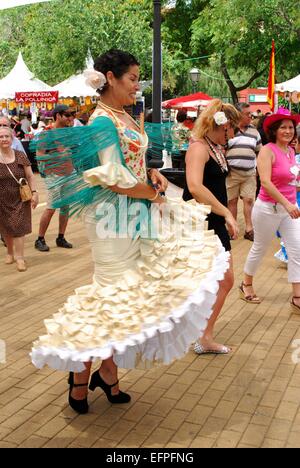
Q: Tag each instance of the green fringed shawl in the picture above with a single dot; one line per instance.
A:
(77, 150)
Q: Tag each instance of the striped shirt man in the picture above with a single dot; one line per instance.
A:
(243, 149)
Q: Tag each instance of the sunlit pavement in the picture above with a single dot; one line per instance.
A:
(249, 398)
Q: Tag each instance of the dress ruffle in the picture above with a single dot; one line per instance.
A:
(110, 174)
(151, 314)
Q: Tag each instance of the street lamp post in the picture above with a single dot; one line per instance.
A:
(195, 76)
(157, 63)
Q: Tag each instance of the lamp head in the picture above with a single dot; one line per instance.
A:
(195, 75)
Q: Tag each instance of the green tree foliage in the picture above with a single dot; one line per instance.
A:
(55, 36)
(232, 37)
(12, 38)
(240, 32)
(177, 23)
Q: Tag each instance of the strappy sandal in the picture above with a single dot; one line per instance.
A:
(295, 307)
(21, 265)
(199, 349)
(251, 298)
(9, 259)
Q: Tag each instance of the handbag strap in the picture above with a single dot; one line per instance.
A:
(18, 181)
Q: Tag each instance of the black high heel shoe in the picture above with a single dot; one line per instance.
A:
(80, 406)
(97, 381)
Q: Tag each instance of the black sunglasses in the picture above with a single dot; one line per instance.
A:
(67, 114)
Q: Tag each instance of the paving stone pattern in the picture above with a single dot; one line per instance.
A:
(249, 398)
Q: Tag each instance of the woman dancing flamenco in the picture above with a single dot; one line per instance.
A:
(151, 295)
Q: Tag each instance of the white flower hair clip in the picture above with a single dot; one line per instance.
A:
(95, 79)
(220, 118)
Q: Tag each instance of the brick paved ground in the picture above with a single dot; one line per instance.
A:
(247, 399)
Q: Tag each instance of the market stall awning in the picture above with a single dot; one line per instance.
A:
(290, 85)
(190, 102)
(75, 86)
(20, 79)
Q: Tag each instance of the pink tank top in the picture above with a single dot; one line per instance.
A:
(281, 175)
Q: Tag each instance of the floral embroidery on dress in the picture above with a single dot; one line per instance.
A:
(132, 143)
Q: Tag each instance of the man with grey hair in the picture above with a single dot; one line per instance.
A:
(241, 157)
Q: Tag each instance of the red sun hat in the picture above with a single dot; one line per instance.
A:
(281, 114)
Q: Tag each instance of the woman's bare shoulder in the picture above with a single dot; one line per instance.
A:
(267, 150)
(198, 147)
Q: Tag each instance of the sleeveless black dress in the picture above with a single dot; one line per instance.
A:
(214, 179)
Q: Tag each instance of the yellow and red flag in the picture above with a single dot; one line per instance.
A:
(271, 82)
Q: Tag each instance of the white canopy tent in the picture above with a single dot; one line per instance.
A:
(290, 85)
(75, 85)
(20, 79)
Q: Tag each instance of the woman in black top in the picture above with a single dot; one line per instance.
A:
(214, 181)
(206, 171)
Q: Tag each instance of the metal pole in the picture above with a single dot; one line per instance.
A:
(157, 63)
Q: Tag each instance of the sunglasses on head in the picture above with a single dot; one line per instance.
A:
(67, 114)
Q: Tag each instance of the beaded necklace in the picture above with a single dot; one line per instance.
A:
(105, 106)
(220, 159)
(112, 112)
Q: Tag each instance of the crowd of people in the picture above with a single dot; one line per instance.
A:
(151, 296)
(15, 215)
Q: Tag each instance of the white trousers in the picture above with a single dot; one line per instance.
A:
(267, 219)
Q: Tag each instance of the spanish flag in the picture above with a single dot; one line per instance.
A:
(271, 82)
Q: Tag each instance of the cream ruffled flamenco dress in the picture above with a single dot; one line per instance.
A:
(150, 297)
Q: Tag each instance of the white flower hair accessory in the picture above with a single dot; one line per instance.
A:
(95, 79)
(220, 118)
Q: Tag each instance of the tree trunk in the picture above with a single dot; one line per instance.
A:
(230, 84)
(234, 89)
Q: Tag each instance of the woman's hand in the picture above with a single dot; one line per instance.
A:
(232, 226)
(34, 200)
(159, 200)
(292, 210)
(158, 180)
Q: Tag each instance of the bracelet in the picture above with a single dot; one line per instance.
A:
(154, 198)
(34, 191)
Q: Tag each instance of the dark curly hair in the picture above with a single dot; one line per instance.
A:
(272, 130)
(116, 61)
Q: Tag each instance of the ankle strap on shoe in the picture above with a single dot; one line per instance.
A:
(113, 385)
(80, 384)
